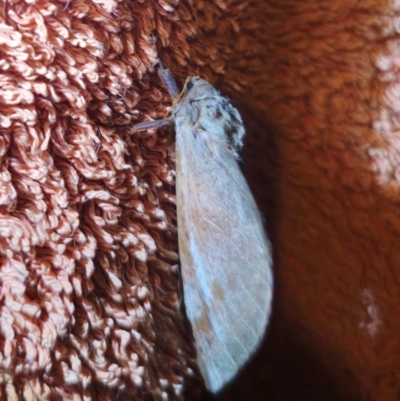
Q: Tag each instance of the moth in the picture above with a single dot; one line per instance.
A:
(225, 255)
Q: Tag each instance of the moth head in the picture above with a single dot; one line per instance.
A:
(196, 88)
(212, 111)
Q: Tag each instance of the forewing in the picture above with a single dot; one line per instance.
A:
(225, 257)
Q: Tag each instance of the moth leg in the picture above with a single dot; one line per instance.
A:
(204, 97)
(168, 80)
(151, 124)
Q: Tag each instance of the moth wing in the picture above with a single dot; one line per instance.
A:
(225, 257)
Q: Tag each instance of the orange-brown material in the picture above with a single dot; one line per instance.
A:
(324, 164)
(89, 301)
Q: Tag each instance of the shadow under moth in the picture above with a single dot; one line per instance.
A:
(225, 256)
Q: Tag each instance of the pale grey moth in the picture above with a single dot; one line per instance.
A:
(225, 256)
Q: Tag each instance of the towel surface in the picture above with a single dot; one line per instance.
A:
(90, 300)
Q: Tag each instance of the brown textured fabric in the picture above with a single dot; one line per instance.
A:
(89, 301)
(325, 170)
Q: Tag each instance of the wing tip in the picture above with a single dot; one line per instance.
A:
(217, 378)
